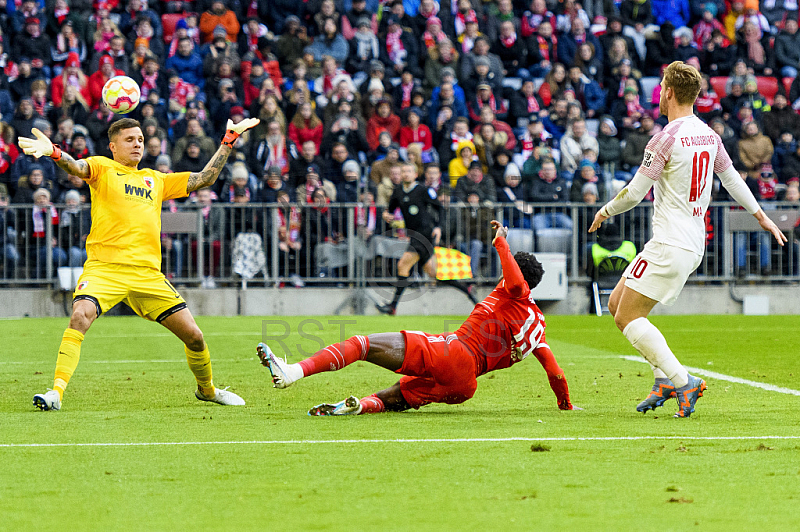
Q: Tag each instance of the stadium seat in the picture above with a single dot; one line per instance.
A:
(787, 85)
(168, 23)
(520, 240)
(718, 84)
(648, 84)
(767, 87)
(604, 278)
(513, 83)
(554, 240)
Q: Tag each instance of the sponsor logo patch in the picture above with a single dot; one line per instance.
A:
(82, 285)
(648, 159)
(148, 180)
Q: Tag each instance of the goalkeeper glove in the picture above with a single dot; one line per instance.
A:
(234, 130)
(40, 146)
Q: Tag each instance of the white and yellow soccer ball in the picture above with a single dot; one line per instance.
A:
(121, 94)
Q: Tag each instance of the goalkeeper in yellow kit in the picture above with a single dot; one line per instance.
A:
(124, 248)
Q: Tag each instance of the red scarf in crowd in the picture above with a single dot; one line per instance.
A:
(461, 20)
(394, 46)
(148, 83)
(544, 46)
(293, 229)
(38, 220)
(533, 104)
(407, 88)
(366, 216)
(509, 41)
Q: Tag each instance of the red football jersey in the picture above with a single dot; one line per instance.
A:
(507, 326)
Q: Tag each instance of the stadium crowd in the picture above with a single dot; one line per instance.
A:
(510, 102)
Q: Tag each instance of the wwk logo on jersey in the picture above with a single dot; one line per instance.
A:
(141, 192)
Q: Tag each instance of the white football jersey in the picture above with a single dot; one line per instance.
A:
(682, 159)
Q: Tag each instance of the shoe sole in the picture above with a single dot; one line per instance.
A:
(325, 409)
(660, 402)
(267, 359)
(41, 404)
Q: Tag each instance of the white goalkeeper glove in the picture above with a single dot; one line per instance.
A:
(232, 131)
(38, 147)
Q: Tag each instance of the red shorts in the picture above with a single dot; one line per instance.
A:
(437, 368)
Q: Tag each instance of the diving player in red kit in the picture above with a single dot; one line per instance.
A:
(502, 330)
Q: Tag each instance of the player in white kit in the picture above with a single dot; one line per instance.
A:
(680, 162)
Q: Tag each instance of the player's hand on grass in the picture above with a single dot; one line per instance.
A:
(599, 218)
(766, 224)
(38, 147)
(501, 231)
(242, 126)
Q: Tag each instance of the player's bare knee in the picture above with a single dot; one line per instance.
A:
(82, 317)
(195, 340)
(621, 321)
(612, 306)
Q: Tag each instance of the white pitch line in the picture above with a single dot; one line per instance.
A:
(729, 378)
(142, 361)
(401, 440)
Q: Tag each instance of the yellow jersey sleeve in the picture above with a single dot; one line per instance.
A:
(96, 167)
(175, 185)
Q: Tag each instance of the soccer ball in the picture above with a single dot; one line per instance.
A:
(121, 94)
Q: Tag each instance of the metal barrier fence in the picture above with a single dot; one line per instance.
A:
(348, 244)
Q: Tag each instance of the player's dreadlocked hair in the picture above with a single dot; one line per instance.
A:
(531, 268)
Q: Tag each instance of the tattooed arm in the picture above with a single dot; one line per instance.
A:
(71, 166)
(208, 175)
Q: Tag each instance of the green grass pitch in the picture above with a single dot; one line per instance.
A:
(271, 467)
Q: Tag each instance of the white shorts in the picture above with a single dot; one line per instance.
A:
(660, 271)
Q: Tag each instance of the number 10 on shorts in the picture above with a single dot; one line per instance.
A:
(638, 268)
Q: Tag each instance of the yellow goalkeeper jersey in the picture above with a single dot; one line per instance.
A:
(126, 211)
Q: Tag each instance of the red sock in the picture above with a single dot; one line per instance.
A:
(336, 356)
(372, 405)
(558, 383)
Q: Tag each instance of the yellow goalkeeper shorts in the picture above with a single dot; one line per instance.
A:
(146, 290)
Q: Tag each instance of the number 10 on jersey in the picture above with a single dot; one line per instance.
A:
(701, 164)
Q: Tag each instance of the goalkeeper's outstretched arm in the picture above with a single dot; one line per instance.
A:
(40, 146)
(208, 175)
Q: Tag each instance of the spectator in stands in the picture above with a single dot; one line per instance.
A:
(587, 92)
(271, 183)
(364, 48)
(677, 12)
(274, 150)
(299, 165)
(347, 189)
(330, 43)
(74, 224)
(383, 120)
(754, 48)
(470, 60)
(38, 244)
(476, 183)
(717, 56)
(755, 149)
(464, 157)
(292, 41)
(636, 142)
(732, 102)
(609, 150)
(20, 88)
(415, 132)
(573, 143)
(191, 160)
(577, 35)
(194, 131)
(487, 141)
(449, 95)
(586, 174)
(555, 82)
(707, 25)
(614, 31)
(548, 186)
(35, 180)
(218, 15)
(311, 182)
(589, 64)
(621, 76)
(686, 47)
(443, 59)
(289, 220)
(477, 232)
(8, 238)
(34, 44)
(380, 168)
(780, 119)
(787, 49)
(305, 126)
(512, 51)
(756, 101)
(334, 170)
(66, 40)
(628, 111)
(660, 46)
(387, 185)
(523, 104)
(187, 63)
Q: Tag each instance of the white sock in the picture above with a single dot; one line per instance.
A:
(657, 373)
(650, 343)
(294, 371)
